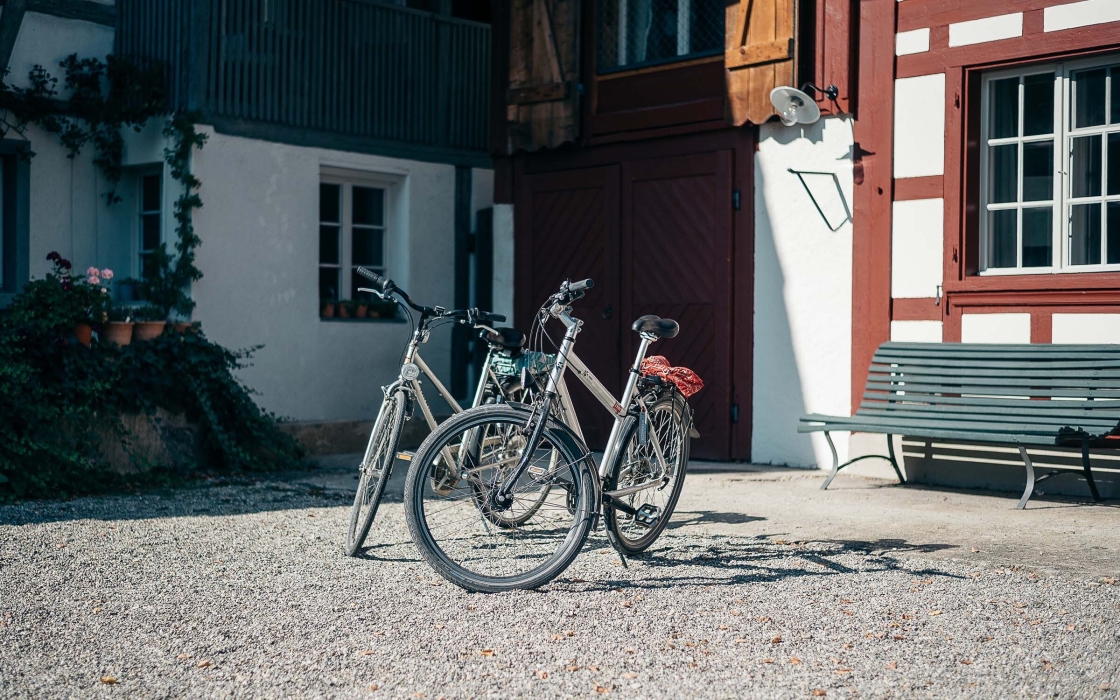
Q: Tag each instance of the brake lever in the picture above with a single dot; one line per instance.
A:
(382, 296)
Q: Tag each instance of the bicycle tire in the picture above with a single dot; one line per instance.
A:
(612, 518)
(582, 485)
(381, 451)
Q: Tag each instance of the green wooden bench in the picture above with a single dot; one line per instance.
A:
(1020, 395)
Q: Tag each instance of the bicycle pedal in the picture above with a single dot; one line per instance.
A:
(406, 455)
(648, 515)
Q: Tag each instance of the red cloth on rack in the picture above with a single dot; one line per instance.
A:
(685, 379)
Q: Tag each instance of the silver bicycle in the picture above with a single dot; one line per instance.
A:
(527, 463)
(499, 381)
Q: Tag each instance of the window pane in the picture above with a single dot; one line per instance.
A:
(328, 245)
(1085, 235)
(1038, 104)
(1004, 174)
(1089, 98)
(1114, 162)
(330, 204)
(1085, 170)
(1113, 233)
(1115, 109)
(369, 206)
(1038, 237)
(635, 32)
(149, 198)
(1003, 106)
(1038, 171)
(328, 282)
(1001, 238)
(369, 247)
(148, 267)
(149, 231)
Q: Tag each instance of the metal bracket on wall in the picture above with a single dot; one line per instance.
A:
(836, 183)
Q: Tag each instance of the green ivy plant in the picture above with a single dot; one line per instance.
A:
(107, 97)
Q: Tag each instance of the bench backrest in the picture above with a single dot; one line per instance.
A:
(1076, 385)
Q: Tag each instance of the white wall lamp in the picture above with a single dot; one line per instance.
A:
(795, 106)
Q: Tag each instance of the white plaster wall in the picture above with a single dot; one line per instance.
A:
(46, 40)
(916, 331)
(996, 328)
(919, 126)
(1080, 14)
(979, 31)
(917, 241)
(1086, 328)
(803, 290)
(259, 227)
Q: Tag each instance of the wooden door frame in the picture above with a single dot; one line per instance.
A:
(743, 143)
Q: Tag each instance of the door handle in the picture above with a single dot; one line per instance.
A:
(608, 312)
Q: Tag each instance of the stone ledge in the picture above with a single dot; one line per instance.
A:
(345, 436)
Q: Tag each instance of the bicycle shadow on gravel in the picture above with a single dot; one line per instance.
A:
(732, 560)
(683, 518)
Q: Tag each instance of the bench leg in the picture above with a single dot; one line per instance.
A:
(1088, 471)
(835, 462)
(1030, 478)
(894, 462)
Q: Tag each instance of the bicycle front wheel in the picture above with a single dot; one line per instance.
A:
(637, 463)
(455, 528)
(375, 470)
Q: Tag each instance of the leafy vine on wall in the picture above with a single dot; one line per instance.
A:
(105, 98)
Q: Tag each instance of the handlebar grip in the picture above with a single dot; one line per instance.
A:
(378, 281)
(580, 286)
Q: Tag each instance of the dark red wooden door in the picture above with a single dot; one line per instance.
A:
(676, 252)
(570, 224)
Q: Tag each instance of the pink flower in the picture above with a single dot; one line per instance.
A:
(93, 272)
(106, 274)
(93, 279)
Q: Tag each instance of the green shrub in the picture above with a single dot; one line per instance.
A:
(55, 393)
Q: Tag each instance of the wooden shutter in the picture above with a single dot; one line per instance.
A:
(758, 56)
(542, 102)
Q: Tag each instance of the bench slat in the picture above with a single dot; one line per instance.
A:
(1000, 364)
(1006, 391)
(922, 427)
(963, 409)
(939, 434)
(1061, 421)
(1094, 406)
(1038, 372)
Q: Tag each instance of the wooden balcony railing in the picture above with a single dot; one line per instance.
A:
(358, 69)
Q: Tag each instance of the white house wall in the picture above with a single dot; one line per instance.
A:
(47, 40)
(803, 289)
(259, 226)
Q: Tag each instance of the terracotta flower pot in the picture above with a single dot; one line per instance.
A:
(343, 311)
(327, 311)
(184, 327)
(361, 310)
(117, 332)
(146, 330)
(84, 333)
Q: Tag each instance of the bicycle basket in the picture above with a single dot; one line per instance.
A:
(538, 364)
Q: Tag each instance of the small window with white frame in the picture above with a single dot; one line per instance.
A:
(353, 232)
(1050, 168)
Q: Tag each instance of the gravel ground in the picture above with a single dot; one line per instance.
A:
(242, 591)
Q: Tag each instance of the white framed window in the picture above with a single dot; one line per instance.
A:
(353, 231)
(1050, 168)
(149, 198)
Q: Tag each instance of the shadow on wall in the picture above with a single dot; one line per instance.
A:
(994, 468)
(802, 346)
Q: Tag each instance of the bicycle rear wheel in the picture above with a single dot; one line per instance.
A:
(637, 463)
(540, 536)
(375, 470)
